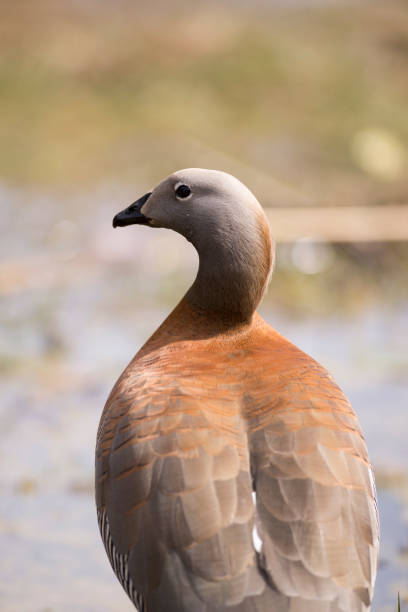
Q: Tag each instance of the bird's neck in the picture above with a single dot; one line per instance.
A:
(232, 278)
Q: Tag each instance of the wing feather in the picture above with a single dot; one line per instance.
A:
(176, 489)
(179, 456)
(315, 501)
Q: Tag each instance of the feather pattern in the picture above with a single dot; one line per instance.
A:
(119, 562)
(183, 443)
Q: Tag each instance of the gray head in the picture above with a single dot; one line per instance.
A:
(228, 227)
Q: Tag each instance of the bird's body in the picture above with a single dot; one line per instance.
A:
(215, 407)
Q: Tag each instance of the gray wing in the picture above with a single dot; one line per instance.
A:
(173, 483)
(316, 501)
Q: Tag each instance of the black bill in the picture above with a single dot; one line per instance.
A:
(132, 214)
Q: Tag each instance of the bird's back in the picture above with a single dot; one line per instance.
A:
(200, 421)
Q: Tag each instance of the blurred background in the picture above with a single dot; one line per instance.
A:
(304, 101)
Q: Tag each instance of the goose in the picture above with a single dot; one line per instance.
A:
(231, 471)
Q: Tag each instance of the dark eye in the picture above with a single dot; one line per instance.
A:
(183, 191)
